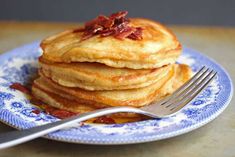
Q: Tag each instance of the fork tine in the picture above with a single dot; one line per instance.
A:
(183, 87)
(189, 88)
(193, 93)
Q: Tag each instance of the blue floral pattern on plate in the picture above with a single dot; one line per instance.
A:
(20, 65)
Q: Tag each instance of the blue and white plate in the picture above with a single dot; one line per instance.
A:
(20, 65)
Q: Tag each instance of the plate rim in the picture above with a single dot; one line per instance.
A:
(150, 137)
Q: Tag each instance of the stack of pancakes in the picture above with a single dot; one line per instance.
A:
(81, 76)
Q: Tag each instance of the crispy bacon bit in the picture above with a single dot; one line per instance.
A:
(20, 87)
(119, 15)
(62, 114)
(59, 113)
(36, 111)
(125, 33)
(104, 120)
(137, 34)
(116, 25)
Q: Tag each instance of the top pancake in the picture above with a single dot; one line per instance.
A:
(157, 48)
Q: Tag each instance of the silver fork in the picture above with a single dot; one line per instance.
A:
(164, 108)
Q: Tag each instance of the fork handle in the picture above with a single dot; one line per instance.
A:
(16, 137)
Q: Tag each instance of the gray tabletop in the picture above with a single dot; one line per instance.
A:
(214, 139)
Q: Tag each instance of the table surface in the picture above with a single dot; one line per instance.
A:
(214, 139)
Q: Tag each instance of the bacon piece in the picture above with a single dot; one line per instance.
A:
(62, 114)
(137, 34)
(105, 21)
(59, 113)
(116, 24)
(36, 111)
(118, 15)
(104, 120)
(119, 28)
(20, 87)
(125, 33)
(107, 32)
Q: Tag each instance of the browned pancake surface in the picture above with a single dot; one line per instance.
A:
(158, 47)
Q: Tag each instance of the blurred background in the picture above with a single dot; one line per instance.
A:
(189, 12)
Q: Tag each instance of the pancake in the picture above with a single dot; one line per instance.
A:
(177, 76)
(96, 76)
(158, 47)
(77, 107)
(57, 101)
